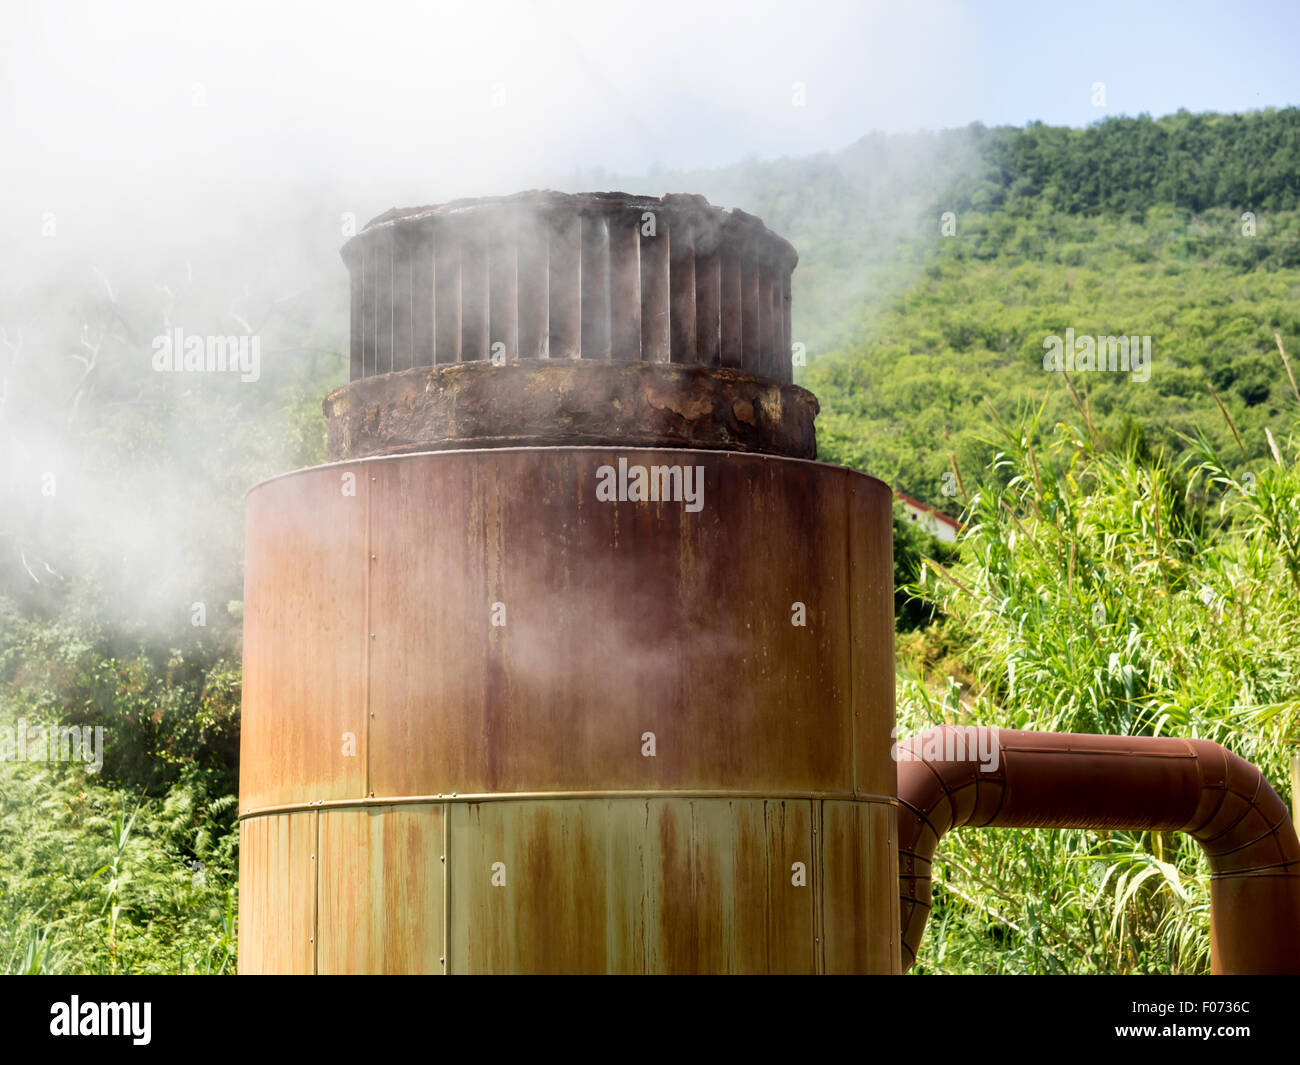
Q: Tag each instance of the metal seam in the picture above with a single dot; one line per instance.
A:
(529, 796)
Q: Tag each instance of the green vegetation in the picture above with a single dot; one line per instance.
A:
(1106, 591)
(908, 391)
(1130, 564)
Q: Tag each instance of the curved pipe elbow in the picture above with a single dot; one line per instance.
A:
(947, 780)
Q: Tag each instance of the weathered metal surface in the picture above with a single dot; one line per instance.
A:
(380, 892)
(871, 532)
(654, 885)
(619, 619)
(859, 871)
(554, 401)
(600, 276)
(618, 885)
(302, 731)
(277, 893)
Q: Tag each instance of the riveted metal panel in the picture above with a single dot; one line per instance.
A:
(527, 636)
(630, 885)
(570, 885)
(791, 906)
(380, 891)
(303, 723)
(277, 893)
(859, 874)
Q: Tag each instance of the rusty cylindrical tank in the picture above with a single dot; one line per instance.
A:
(572, 659)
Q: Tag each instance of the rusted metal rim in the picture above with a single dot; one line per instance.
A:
(552, 796)
(570, 401)
(343, 464)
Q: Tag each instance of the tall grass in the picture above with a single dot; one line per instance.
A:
(1106, 590)
(92, 879)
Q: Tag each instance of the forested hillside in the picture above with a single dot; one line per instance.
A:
(933, 267)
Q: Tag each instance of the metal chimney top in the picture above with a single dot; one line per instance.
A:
(552, 318)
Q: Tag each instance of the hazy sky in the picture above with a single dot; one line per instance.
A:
(150, 103)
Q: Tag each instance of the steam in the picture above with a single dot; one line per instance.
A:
(172, 171)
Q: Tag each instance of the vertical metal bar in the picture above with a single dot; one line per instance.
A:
(354, 317)
(681, 284)
(446, 300)
(384, 300)
(368, 308)
(368, 634)
(624, 287)
(766, 347)
(787, 339)
(655, 344)
(503, 292)
(532, 289)
(402, 300)
(817, 858)
(446, 889)
(565, 328)
(708, 306)
(473, 296)
(315, 893)
(751, 340)
(595, 287)
(422, 295)
(732, 327)
(779, 362)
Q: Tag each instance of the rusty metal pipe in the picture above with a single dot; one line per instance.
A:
(1129, 783)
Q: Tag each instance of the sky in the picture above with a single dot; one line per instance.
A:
(155, 106)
